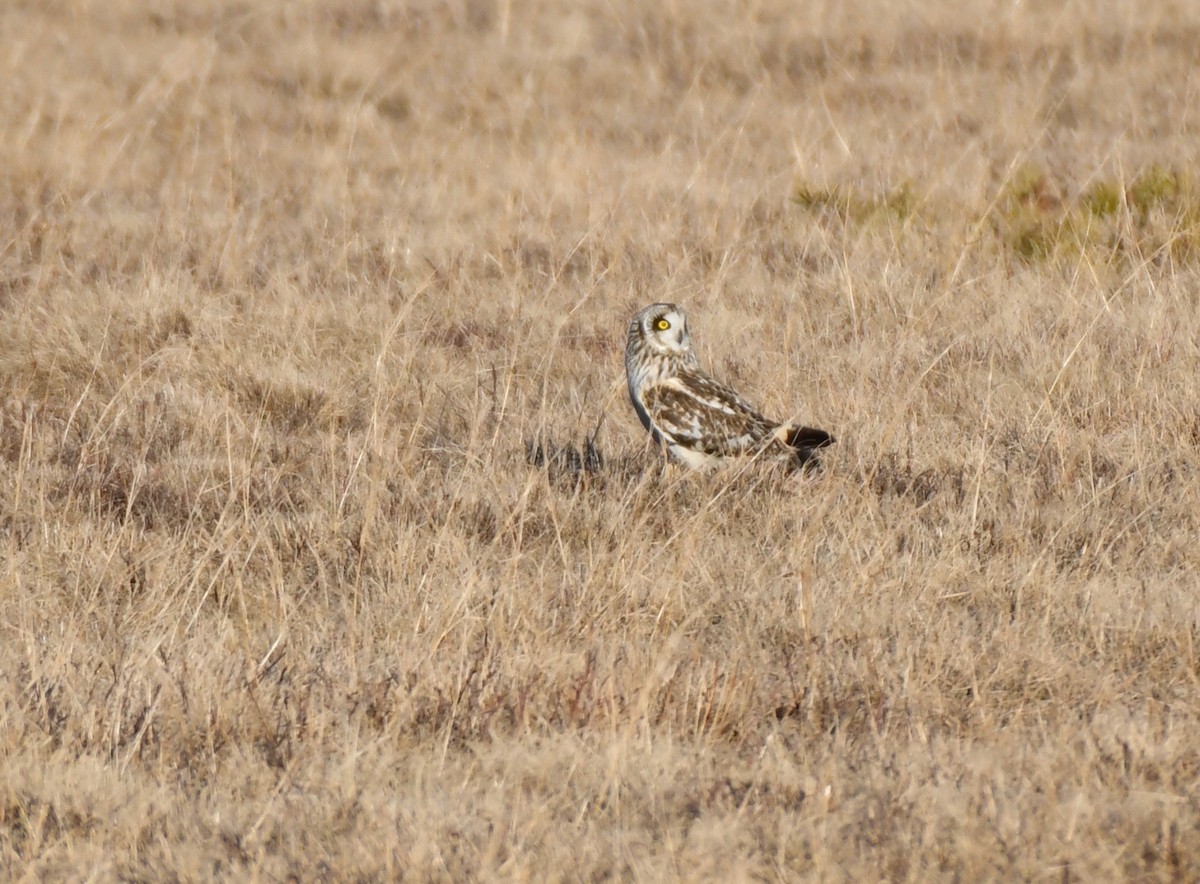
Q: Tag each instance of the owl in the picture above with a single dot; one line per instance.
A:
(700, 420)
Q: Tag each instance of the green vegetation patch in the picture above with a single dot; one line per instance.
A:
(1157, 212)
(851, 205)
(1037, 218)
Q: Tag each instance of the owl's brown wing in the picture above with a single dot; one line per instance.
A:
(703, 415)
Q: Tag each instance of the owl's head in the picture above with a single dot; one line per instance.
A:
(663, 328)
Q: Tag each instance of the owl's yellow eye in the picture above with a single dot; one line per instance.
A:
(662, 325)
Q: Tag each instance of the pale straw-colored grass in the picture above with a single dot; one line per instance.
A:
(289, 292)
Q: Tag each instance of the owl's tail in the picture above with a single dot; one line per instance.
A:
(805, 441)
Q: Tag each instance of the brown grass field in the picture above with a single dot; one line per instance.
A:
(332, 549)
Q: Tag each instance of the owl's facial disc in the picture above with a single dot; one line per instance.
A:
(667, 330)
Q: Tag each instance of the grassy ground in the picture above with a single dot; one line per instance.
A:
(290, 294)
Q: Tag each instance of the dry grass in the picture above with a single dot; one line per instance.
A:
(290, 293)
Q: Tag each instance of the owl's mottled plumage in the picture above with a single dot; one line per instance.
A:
(700, 420)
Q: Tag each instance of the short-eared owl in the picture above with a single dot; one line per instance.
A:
(700, 420)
